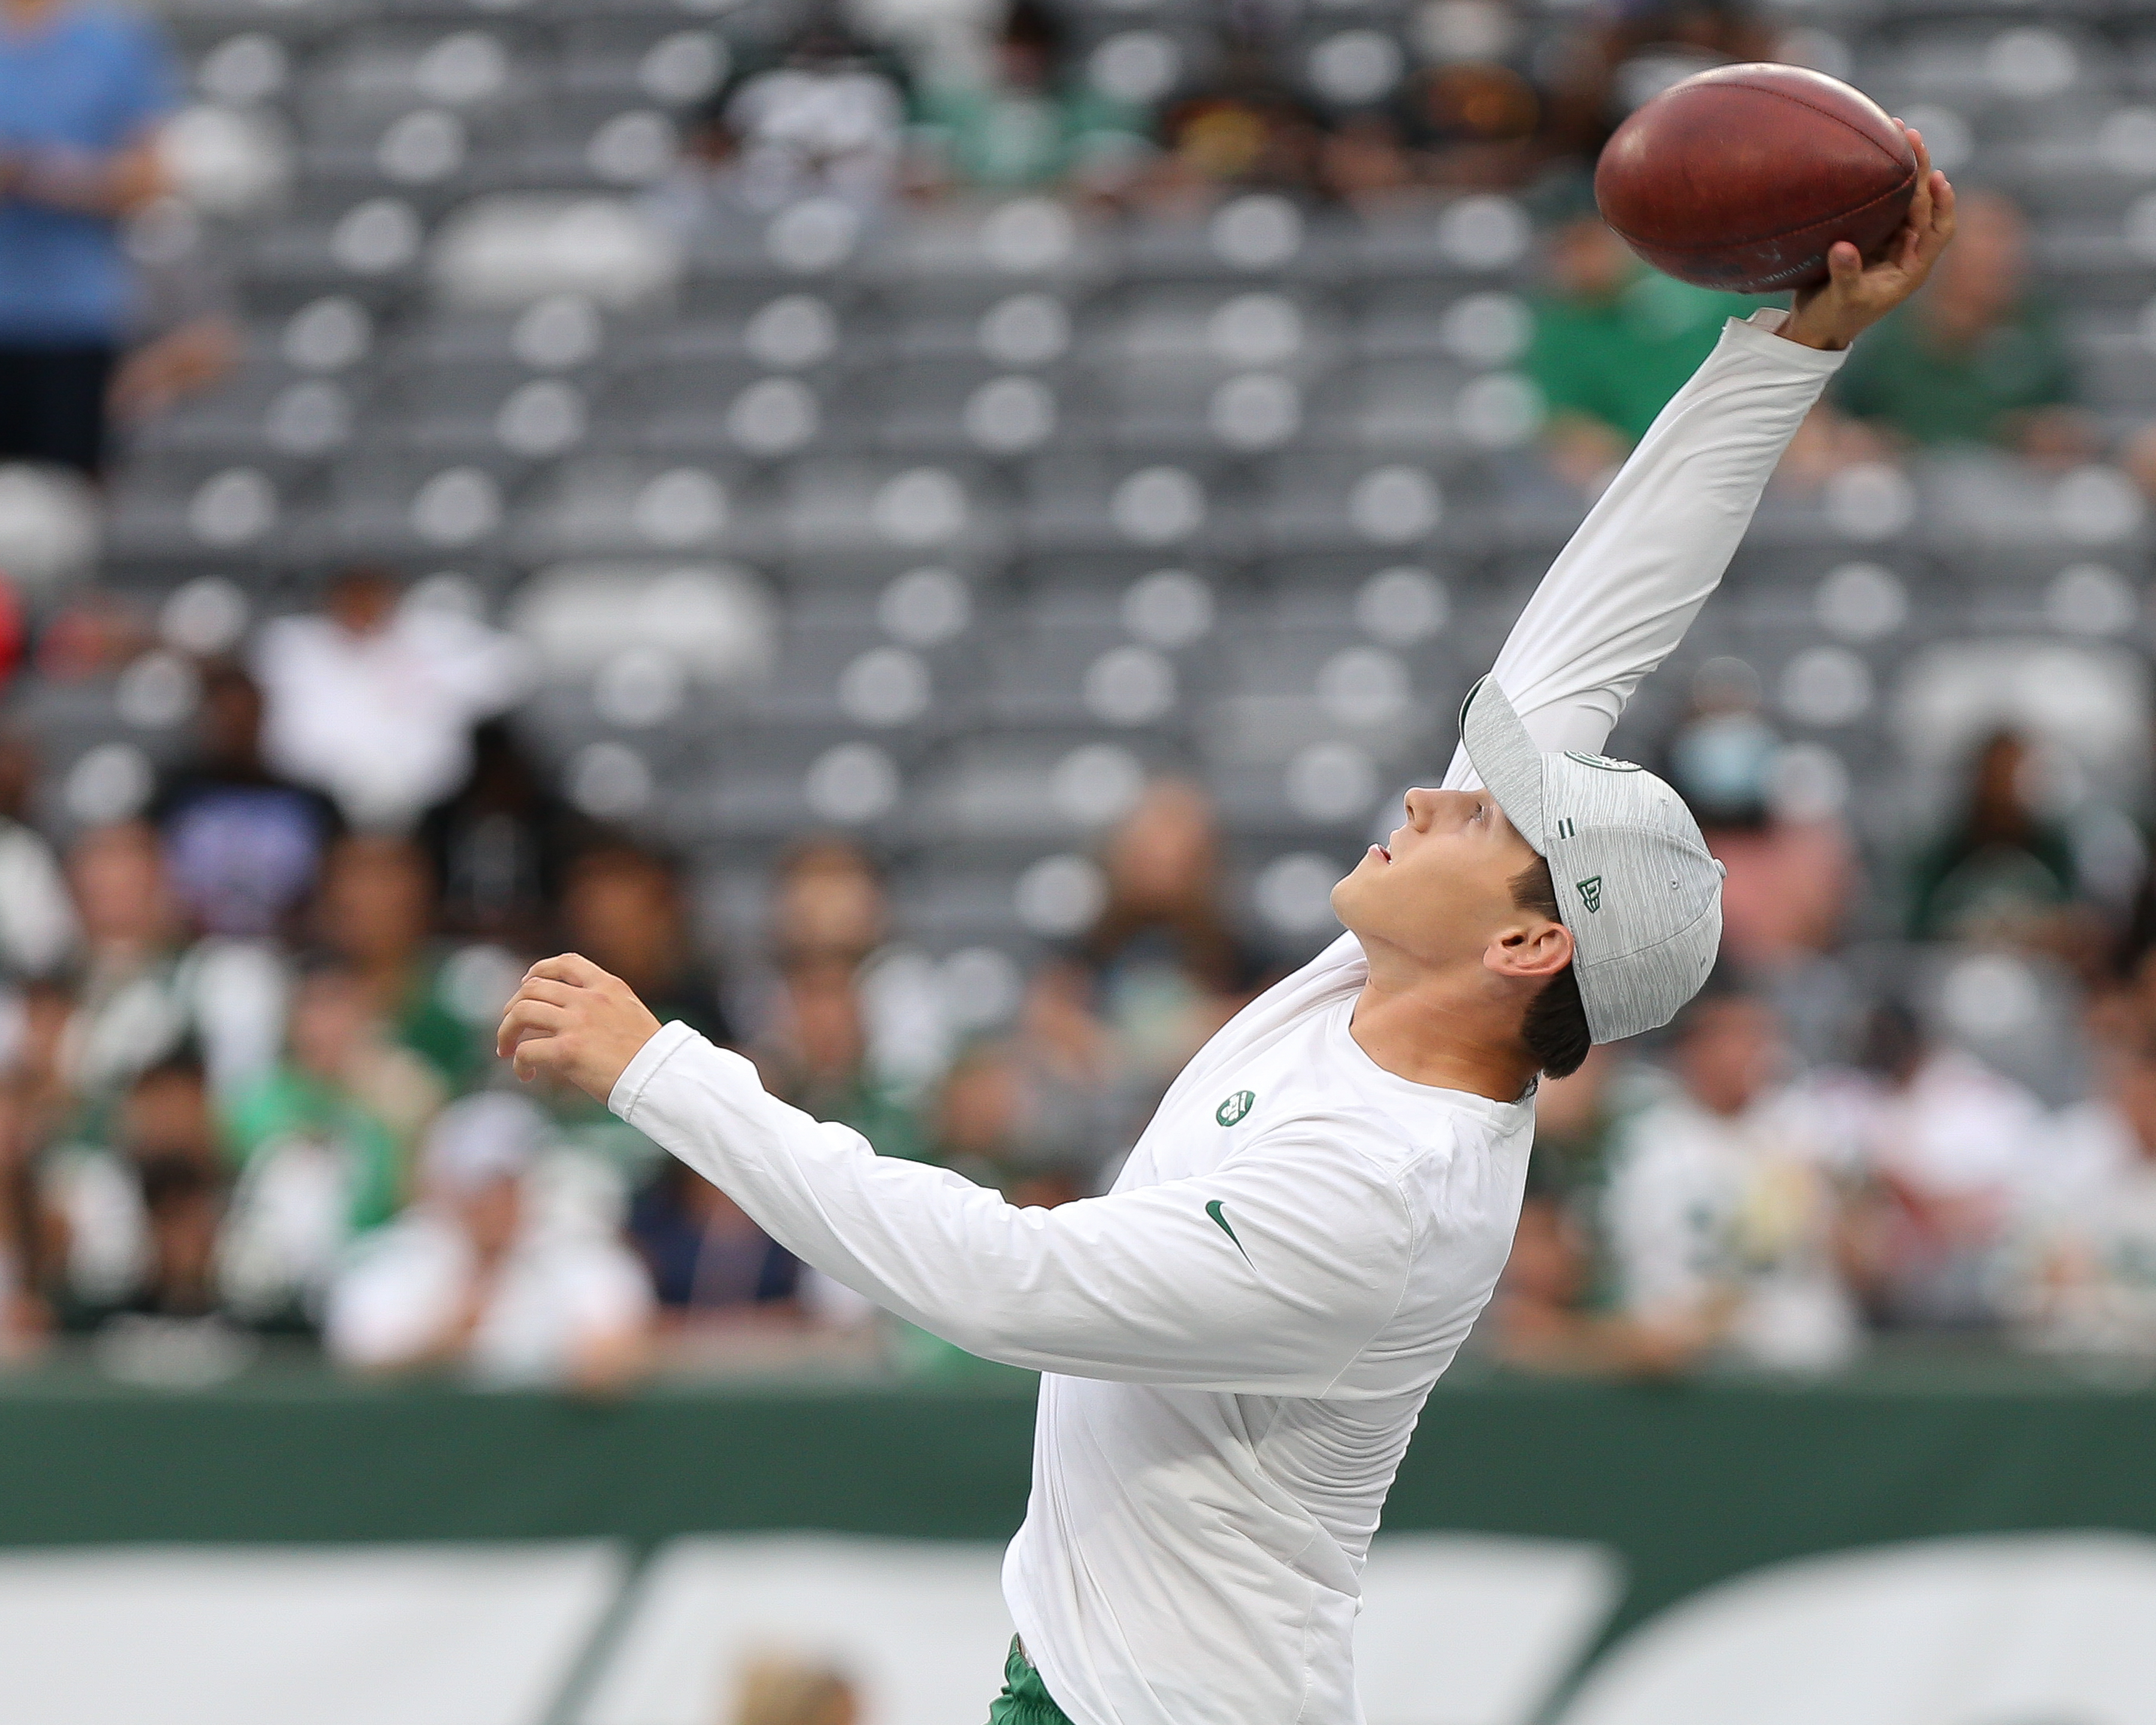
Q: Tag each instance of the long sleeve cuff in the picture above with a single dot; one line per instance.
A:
(1760, 334)
(629, 1089)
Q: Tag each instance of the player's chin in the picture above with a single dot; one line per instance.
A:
(1364, 883)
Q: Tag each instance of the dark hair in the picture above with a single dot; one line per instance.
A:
(1028, 23)
(168, 1183)
(183, 1062)
(1555, 1028)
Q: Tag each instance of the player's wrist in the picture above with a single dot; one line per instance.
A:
(1826, 339)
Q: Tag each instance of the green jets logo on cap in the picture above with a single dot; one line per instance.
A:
(1590, 893)
(1235, 1107)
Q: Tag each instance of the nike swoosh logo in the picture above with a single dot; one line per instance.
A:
(1213, 1209)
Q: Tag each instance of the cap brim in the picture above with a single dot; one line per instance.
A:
(1506, 759)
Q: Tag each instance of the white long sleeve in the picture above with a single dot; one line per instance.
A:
(1276, 1288)
(1622, 593)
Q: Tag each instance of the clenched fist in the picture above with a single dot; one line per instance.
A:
(572, 1020)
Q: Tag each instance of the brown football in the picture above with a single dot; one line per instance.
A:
(1741, 178)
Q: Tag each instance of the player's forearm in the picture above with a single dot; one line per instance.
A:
(1143, 1287)
(1622, 593)
(900, 1232)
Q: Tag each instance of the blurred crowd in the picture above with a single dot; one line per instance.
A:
(247, 1082)
(248, 1034)
(250, 1087)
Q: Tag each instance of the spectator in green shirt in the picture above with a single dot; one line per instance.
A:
(374, 908)
(1973, 359)
(1613, 342)
(1025, 122)
(815, 1055)
(343, 1086)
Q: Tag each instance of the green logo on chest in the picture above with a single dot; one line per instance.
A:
(1235, 1107)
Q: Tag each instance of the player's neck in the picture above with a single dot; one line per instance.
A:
(1449, 1031)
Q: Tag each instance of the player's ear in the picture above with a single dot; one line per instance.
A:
(1529, 947)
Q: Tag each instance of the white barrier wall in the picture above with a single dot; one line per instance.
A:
(277, 1635)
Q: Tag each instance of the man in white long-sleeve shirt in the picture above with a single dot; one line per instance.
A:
(1236, 1340)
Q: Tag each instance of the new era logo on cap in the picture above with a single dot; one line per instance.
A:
(1646, 919)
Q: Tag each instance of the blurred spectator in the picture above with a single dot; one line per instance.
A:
(828, 903)
(1040, 1113)
(14, 623)
(184, 337)
(706, 1256)
(82, 87)
(474, 1276)
(2004, 870)
(320, 1144)
(1364, 161)
(1613, 342)
(1170, 967)
(1724, 1215)
(498, 845)
(183, 1210)
(373, 700)
(1598, 72)
(1077, 1113)
(976, 1121)
(23, 1318)
(2090, 1232)
(242, 846)
(94, 633)
(37, 922)
(374, 911)
(1555, 1306)
(1474, 123)
(1247, 130)
(827, 122)
(97, 1194)
(814, 1054)
(624, 908)
(1576, 1119)
(143, 992)
(1027, 121)
(35, 1057)
(779, 1690)
(1974, 358)
(1948, 1149)
(1792, 870)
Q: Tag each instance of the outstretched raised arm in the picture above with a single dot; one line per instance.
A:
(1621, 595)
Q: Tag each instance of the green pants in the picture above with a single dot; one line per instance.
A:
(1025, 1700)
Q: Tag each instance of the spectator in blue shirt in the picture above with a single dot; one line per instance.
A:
(82, 89)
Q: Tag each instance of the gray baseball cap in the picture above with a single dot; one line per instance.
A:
(1634, 883)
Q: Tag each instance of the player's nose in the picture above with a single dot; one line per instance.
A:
(1424, 806)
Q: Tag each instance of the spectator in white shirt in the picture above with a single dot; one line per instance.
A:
(37, 924)
(475, 1277)
(1948, 1149)
(1724, 1215)
(144, 992)
(373, 700)
(2088, 1261)
(828, 122)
